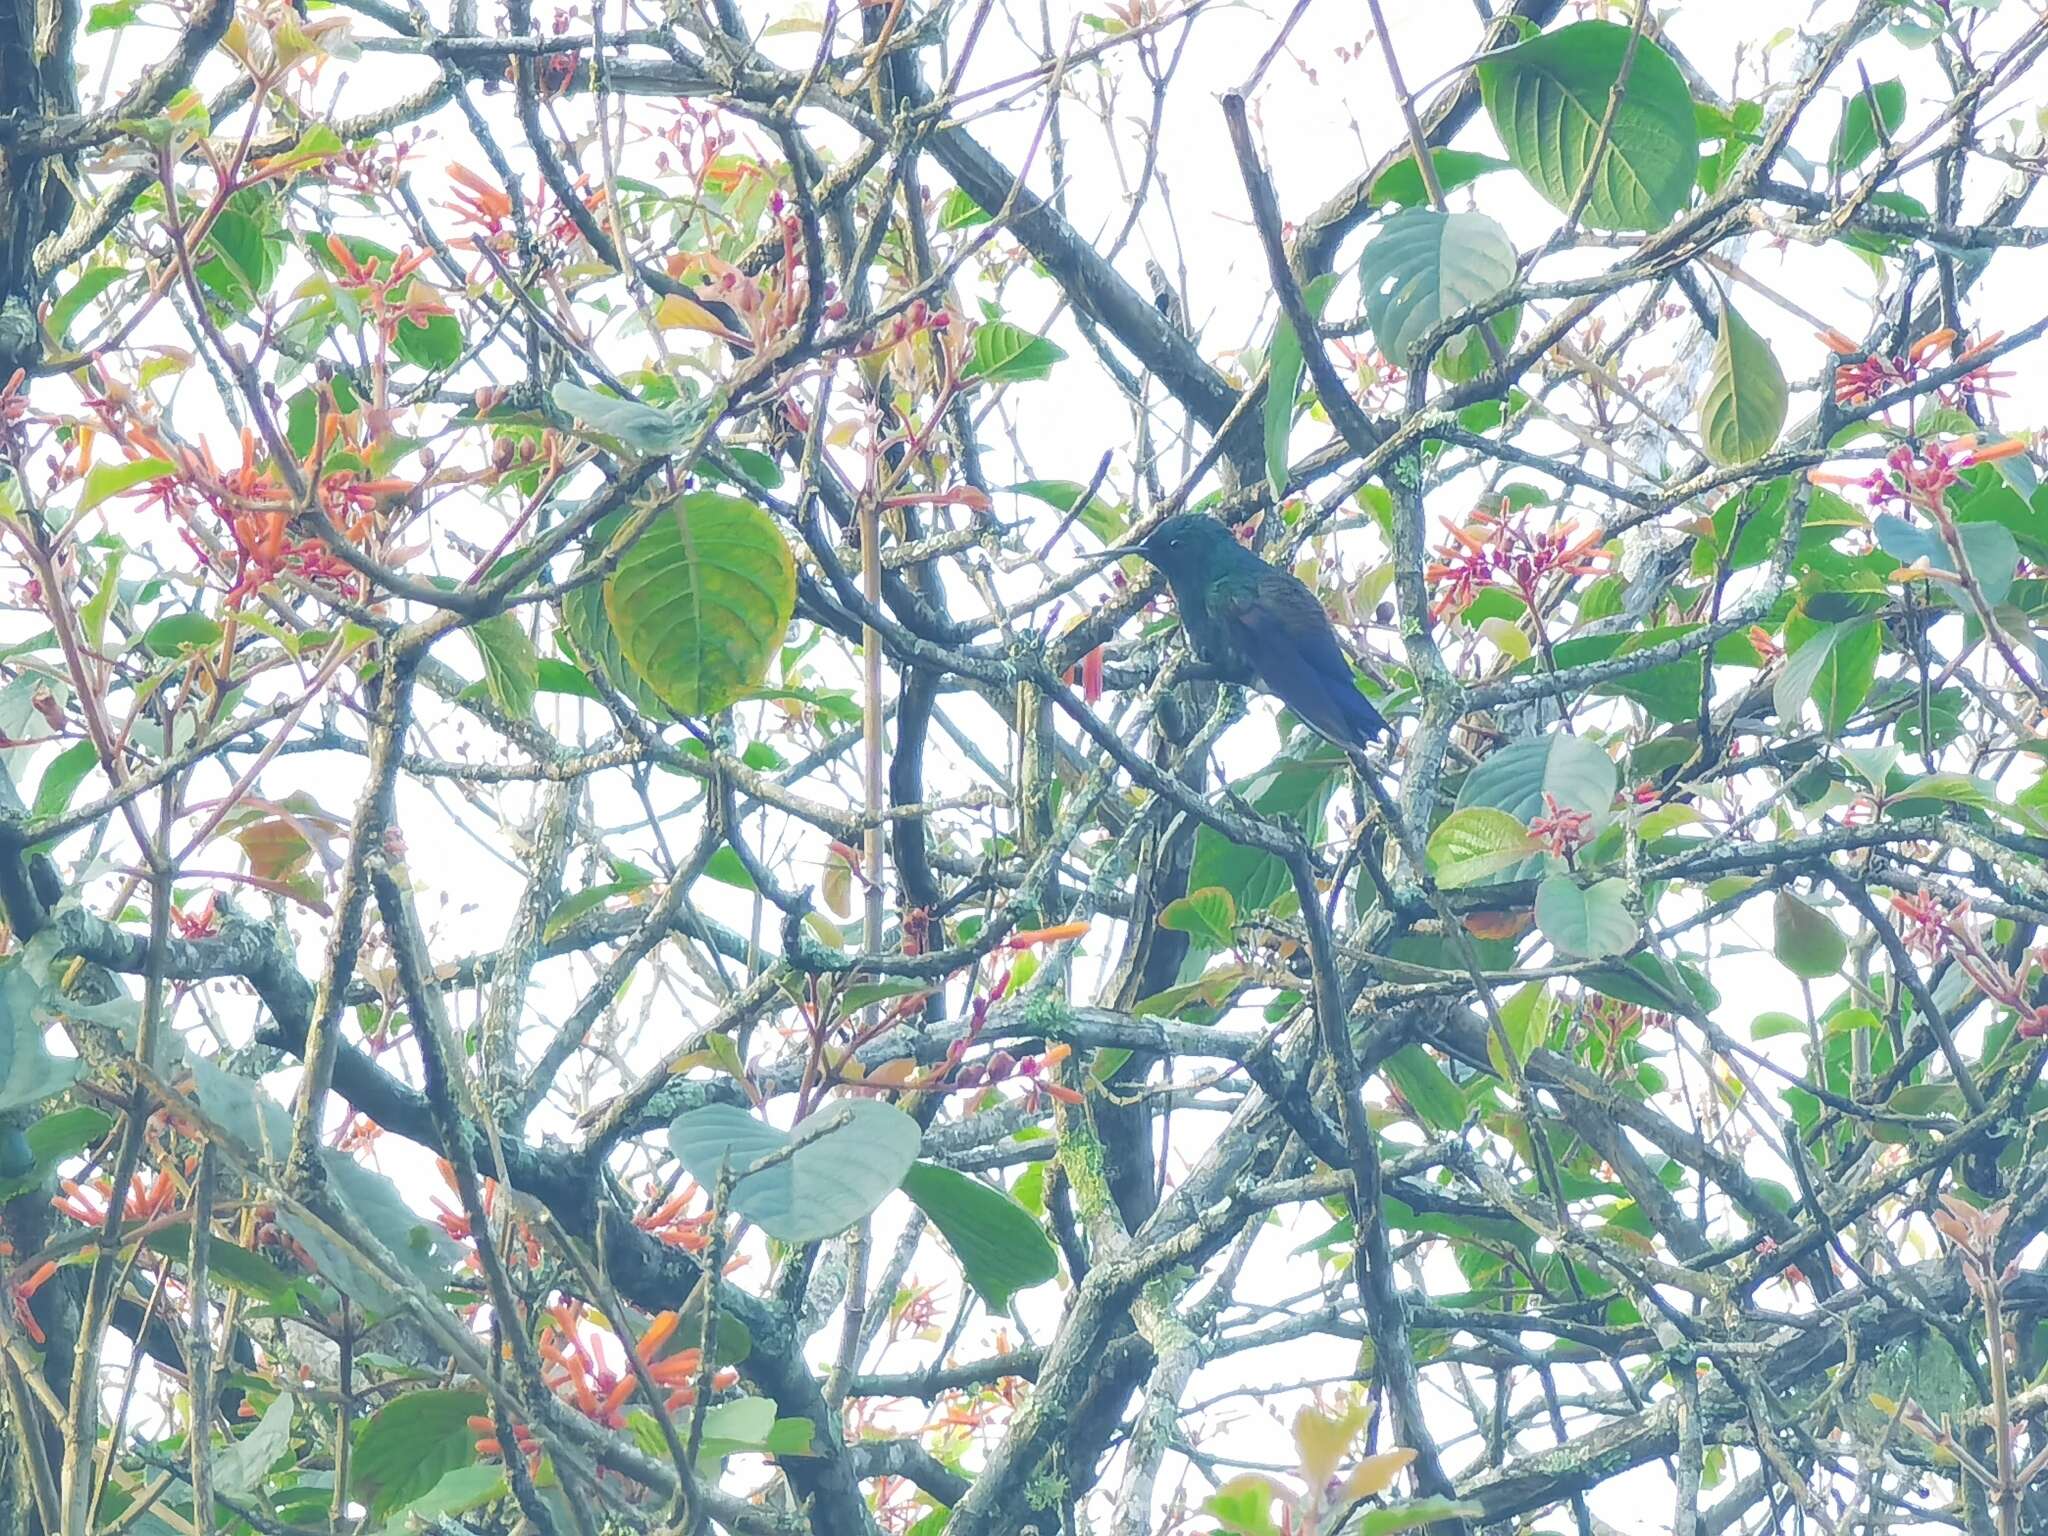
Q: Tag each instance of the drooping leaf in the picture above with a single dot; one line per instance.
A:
(1834, 667)
(1587, 922)
(1743, 408)
(1548, 97)
(1427, 1088)
(590, 629)
(1401, 183)
(511, 665)
(1284, 365)
(241, 1466)
(700, 602)
(105, 480)
(857, 1151)
(29, 1074)
(1805, 939)
(406, 1447)
(1424, 267)
(50, 1139)
(1856, 137)
(1009, 354)
(999, 1246)
(1992, 552)
(61, 779)
(1472, 845)
(1209, 915)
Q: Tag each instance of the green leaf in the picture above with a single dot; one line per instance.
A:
(91, 283)
(642, 430)
(53, 1138)
(1990, 548)
(1587, 922)
(1416, 1512)
(1424, 267)
(1743, 408)
(700, 603)
(830, 1182)
(61, 779)
(511, 665)
(108, 17)
(1296, 788)
(1244, 1505)
(1575, 772)
(565, 915)
(244, 256)
(227, 1263)
(406, 1447)
(104, 480)
(29, 1074)
(999, 1246)
(241, 1466)
(959, 211)
(1106, 522)
(1856, 138)
(1009, 354)
(1548, 97)
(733, 1428)
(1834, 667)
(1472, 845)
(1401, 182)
(1284, 365)
(176, 633)
(457, 1493)
(1768, 1026)
(1806, 939)
(434, 345)
(1198, 1001)
(1427, 1088)
(1209, 915)
(590, 629)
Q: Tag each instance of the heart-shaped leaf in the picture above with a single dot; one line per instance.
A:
(1548, 97)
(1424, 267)
(849, 1156)
(1209, 915)
(700, 602)
(1585, 921)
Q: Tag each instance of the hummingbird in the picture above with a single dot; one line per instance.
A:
(1258, 626)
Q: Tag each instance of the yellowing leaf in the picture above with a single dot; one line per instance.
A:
(1376, 1474)
(1322, 1440)
(680, 312)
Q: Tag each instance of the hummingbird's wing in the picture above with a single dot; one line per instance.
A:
(1280, 627)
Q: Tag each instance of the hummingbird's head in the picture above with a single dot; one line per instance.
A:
(1190, 545)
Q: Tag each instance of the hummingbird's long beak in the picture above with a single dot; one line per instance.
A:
(1116, 552)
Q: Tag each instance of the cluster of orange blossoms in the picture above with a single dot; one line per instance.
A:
(575, 1370)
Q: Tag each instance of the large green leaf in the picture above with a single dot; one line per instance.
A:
(1000, 1247)
(1570, 769)
(29, 1074)
(1990, 548)
(1742, 410)
(853, 1154)
(700, 602)
(1427, 1088)
(1586, 922)
(1547, 98)
(1296, 788)
(590, 629)
(1284, 364)
(406, 1447)
(1834, 667)
(1473, 845)
(1424, 267)
(1209, 915)
(240, 1467)
(1806, 939)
